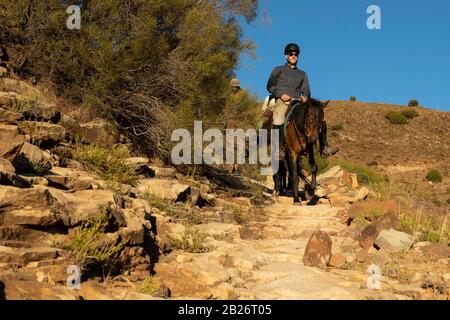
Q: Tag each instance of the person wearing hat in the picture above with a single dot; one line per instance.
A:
(286, 83)
(235, 85)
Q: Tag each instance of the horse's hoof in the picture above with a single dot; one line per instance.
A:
(299, 203)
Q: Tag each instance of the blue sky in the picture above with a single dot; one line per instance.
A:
(409, 58)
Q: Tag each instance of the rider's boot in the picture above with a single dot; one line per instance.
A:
(282, 148)
(325, 149)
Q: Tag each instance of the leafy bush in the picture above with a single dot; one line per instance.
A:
(410, 113)
(434, 176)
(413, 103)
(108, 163)
(396, 117)
(352, 98)
(138, 66)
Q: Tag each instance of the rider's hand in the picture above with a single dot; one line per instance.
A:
(304, 99)
(285, 98)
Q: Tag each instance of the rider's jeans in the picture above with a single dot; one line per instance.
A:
(279, 112)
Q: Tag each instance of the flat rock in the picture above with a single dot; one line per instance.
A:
(393, 240)
(9, 117)
(166, 189)
(101, 132)
(26, 255)
(44, 132)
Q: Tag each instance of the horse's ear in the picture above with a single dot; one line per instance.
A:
(325, 104)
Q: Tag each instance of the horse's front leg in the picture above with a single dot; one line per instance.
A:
(314, 168)
(293, 158)
(276, 185)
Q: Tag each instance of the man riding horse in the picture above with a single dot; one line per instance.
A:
(287, 83)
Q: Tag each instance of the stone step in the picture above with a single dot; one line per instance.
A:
(22, 255)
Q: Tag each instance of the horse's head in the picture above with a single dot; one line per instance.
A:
(314, 116)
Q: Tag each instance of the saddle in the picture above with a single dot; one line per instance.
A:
(292, 106)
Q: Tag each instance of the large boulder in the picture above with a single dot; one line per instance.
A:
(72, 126)
(11, 141)
(31, 159)
(318, 250)
(43, 133)
(100, 132)
(83, 205)
(30, 207)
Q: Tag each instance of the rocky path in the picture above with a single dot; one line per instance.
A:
(272, 267)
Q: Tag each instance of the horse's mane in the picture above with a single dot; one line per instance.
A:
(299, 113)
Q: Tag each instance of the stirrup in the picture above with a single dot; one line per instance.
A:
(326, 152)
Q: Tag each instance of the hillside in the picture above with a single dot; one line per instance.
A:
(404, 153)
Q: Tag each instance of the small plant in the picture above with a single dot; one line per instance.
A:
(40, 167)
(432, 228)
(410, 113)
(398, 272)
(396, 117)
(148, 286)
(21, 106)
(108, 163)
(413, 103)
(353, 98)
(191, 241)
(239, 216)
(434, 176)
(158, 203)
(85, 245)
(365, 175)
(337, 127)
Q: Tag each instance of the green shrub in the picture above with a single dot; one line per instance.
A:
(434, 176)
(337, 127)
(191, 241)
(108, 163)
(86, 245)
(430, 227)
(413, 103)
(410, 113)
(365, 175)
(352, 98)
(396, 117)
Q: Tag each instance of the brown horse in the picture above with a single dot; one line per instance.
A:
(302, 134)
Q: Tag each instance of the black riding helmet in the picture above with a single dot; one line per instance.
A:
(292, 47)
